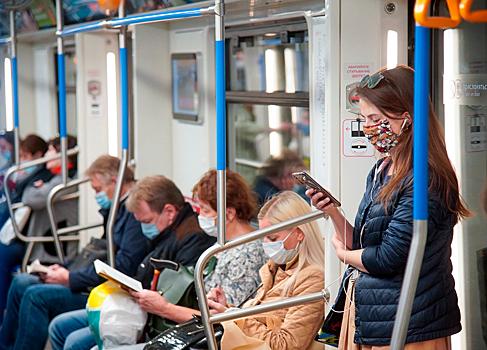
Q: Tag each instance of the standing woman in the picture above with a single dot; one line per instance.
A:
(378, 246)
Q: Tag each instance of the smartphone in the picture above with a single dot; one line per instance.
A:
(307, 181)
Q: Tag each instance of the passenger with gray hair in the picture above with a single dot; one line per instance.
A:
(172, 227)
(32, 303)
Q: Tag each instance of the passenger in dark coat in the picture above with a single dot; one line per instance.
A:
(377, 247)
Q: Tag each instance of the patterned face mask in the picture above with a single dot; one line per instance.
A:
(382, 136)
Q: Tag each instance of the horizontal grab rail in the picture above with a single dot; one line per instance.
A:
(275, 305)
(42, 239)
(258, 234)
(43, 160)
(77, 228)
(156, 17)
(139, 19)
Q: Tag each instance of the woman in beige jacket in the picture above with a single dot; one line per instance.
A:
(296, 267)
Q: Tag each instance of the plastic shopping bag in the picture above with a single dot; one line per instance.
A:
(114, 316)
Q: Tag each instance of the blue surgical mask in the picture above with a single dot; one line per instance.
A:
(277, 253)
(102, 200)
(208, 225)
(4, 159)
(150, 230)
(30, 169)
(7, 155)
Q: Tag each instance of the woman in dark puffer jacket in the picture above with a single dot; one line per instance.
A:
(377, 247)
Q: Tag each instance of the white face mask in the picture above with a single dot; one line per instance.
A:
(277, 253)
(208, 225)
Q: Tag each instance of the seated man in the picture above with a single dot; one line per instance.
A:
(175, 235)
(32, 303)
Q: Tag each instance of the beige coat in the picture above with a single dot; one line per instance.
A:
(300, 323)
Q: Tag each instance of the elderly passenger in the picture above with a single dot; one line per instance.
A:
(174, 233)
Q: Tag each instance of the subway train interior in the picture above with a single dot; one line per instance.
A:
(291, 67)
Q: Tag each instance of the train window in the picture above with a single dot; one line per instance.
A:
(267, 93)
(259, 131)
(265, 63)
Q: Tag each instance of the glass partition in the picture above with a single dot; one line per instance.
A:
(260, 131)
(267, 93)
(264, 63)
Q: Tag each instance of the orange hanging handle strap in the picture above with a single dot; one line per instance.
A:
(421, 9)
(472, 16)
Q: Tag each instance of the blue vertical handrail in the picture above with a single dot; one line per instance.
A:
(124, 97)
(61, 78)
(421, 116)
(420, 187)
(220, 105)
(61, 68)
(219, 10)
(15, 92)
(15, 86)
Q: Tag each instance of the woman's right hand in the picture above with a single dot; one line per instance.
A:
(319, 203)
(217, 295)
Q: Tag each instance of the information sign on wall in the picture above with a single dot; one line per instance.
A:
(355, 144)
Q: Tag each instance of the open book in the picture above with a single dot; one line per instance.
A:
(37, 268)
(108, 272)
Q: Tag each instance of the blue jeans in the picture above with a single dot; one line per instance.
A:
(10, 256)
(30, 306)
(70, 331)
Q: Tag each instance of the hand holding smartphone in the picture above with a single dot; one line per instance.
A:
(307, 181)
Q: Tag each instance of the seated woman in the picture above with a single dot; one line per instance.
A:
(65, 212)
(236, 270)
(296, 267)
(32, 147)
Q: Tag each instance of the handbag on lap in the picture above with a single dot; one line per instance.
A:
(188, 335)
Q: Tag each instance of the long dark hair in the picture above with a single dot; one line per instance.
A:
(393, 96)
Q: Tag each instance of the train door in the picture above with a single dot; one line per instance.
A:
(463, 62)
